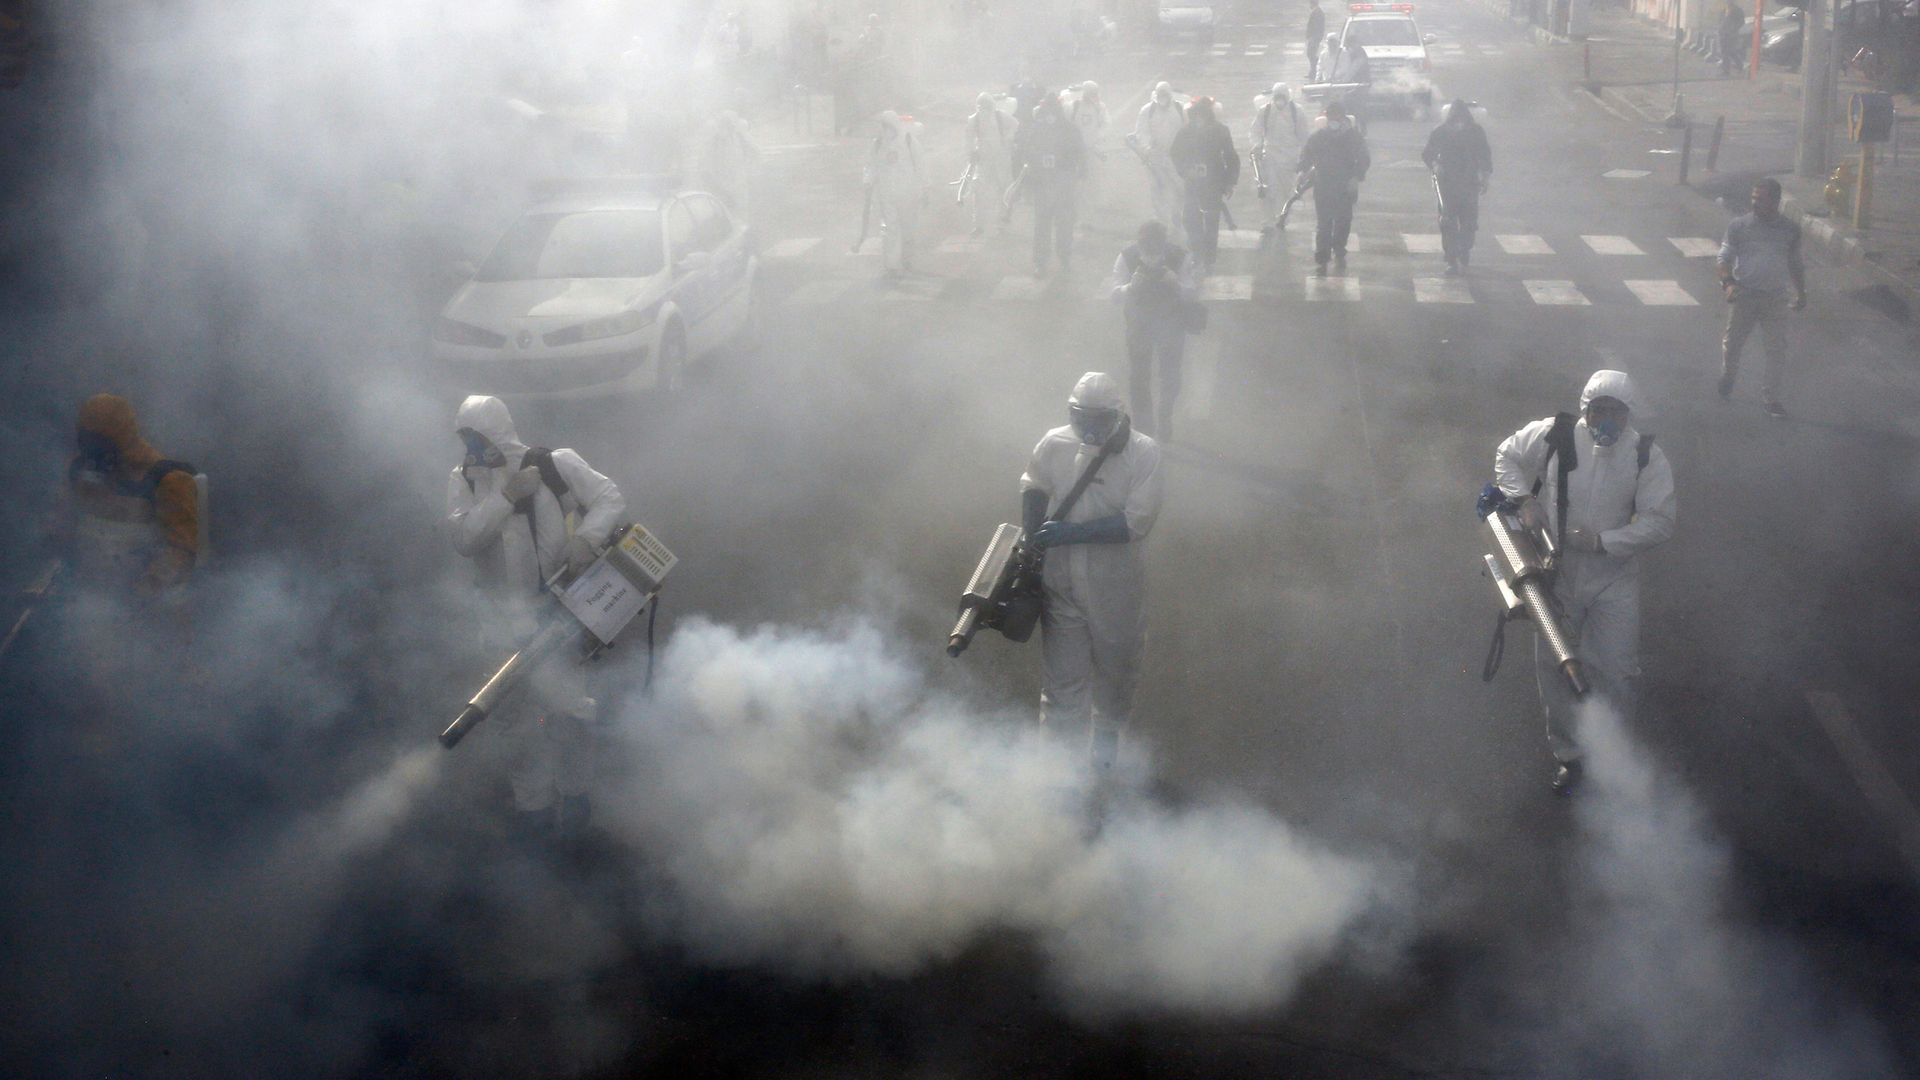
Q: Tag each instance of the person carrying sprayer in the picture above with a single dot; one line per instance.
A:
(1051, 160)
(1276, 123)
(1155, 283)
(1160, 120)
(1093, 615)
(1335, 159)
(990, 135)
(1209, 168)
(524, 515)
(896, 185)
(1458, 155)
(1605, 493)
(1089, 114)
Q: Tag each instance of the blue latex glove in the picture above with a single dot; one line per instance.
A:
(1106, 530)
(1058, 532)
(1491, 499)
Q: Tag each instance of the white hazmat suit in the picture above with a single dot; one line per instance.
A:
(1161, 118)
(726, 157)
(1093, 624)
(1274, 138)
(1630, 509)
(515, 550)
(990, 149)
(897, 175)
(1089, 114)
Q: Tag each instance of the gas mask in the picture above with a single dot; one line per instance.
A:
(480, 450)
(1094, 426)
(1606, 420)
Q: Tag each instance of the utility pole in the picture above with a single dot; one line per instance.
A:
(1815, 98)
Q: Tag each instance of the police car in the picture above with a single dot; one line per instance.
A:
(1396, 51)
(602, 290)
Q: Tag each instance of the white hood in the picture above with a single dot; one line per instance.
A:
(1613, 384)
(489, 417)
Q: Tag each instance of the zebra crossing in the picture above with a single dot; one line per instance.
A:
(1578, 271)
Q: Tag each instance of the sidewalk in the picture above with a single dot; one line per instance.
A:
(1629, 65)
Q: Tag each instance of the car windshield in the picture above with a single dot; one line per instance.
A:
(1393, 33)
(587, 244)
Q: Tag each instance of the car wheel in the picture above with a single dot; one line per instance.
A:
(672, 367)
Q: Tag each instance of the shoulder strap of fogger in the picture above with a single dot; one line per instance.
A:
(1111, 447)
(1560, 452)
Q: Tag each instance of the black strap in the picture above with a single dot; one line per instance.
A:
(1560, 451)
(1496, 649)
(1645, 451)
(1112, 446)
(541, 458)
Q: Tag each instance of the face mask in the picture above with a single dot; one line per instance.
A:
(97, 452)
(1095, 426)
(1606, 430)
(481, 451)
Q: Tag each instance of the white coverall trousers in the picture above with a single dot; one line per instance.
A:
(1600, 601)
(898, 212)
(549, 729)
(1091, 671)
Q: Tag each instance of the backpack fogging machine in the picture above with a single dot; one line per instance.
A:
(1004, 592)
(1521, 565)
(592, 611)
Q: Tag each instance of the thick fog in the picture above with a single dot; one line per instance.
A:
(244, 854)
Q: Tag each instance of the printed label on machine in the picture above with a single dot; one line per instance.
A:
(604, 600)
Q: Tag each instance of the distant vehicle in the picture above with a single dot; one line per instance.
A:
(1860, 23)
(599, 294)
(1183, 17)
(1396, 53)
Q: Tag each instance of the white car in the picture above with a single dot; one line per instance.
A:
(598, 295)
(1173, 18)
(1396, 51)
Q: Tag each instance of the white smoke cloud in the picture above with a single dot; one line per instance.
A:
(814, 808)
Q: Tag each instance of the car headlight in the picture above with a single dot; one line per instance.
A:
(612, 326)
(455, 332)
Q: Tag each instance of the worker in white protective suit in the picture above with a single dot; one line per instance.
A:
(523, 515)
(1089, 114)
(1093, 621)
(990, 135)
(1620, 502)
(725, 159)
(896, 178)
(1160, 119)
(1274, 137)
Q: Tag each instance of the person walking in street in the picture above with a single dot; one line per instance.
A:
(1052, 159)
(1089, 114)
(1093, 625)
(1160, 120)
(896, 178)
(1155, 282)
(1316, 33)
(1762, 276)
(1732, 19)
(990, 136)
(1618, 502)
(1209, 168)
(1336, 156)
(1461, 160)
(1276, 123)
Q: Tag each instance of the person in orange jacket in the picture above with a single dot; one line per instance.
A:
(131, 518)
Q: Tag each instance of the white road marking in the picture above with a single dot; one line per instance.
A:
(817, 292)
(1240, 239)
(1882, 791)
(1018, 288)
(1256, 50)
(1441, 290)
(1333, 288)
(1612, 245)
(791, 247)
(1514, 244)
(1661, 293)
(1626, 174)
(1199, 380)
(954, 245)
(1695, 247)
(1422, 243)
(1229, 287)
(1555, 293)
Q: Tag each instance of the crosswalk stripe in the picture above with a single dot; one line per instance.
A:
(1661, 293)
(1422, 243)
(1256, 50)
(1228, 287)
(1562, 293)
(1519, 244)
(1332, 288)
(1240, 239)
(1695, 247)
(792, 247)
(1440, 290)
(1612, 245)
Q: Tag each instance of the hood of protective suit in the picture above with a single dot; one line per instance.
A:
(1097, 390)
(891, 121)
(984, 101)
(1460, 110)
(112, 418)
(1162, 89)
(489, 417)
(1613, 384)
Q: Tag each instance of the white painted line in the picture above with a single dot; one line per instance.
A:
(817, 292)
(1333, 288)
(1514, 244)
(792, 247)
(1422, 243)
(1018, 288)
(1882, 791)
(1199, 380)
(1661, 293)
(1441, 290)
(1555, 293)
(1240, 239)
(955, 245)
(1625, 174)
(1695, 247)
(1229, 287)
(1612, 245)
